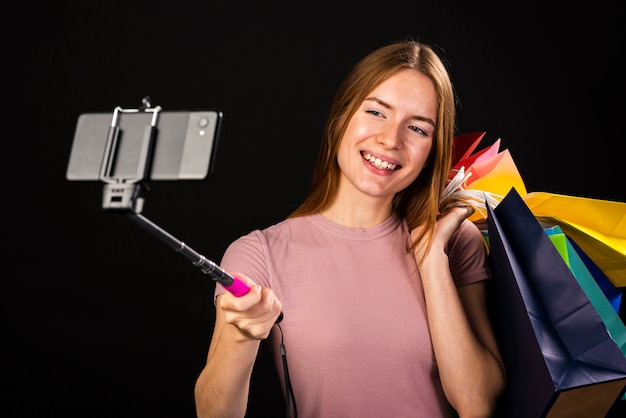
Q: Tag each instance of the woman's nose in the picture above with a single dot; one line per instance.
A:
(389, 137)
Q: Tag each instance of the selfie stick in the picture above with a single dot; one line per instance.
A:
(122, 194)
(230, 282)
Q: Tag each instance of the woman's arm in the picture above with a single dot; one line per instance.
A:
(470, 365)
(240, 324)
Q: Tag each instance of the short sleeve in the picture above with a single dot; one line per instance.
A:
(246, 255)
(467, 254)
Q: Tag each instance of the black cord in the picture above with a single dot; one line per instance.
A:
(290, 398)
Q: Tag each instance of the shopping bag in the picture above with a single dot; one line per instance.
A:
(614, 324)
(463, 147)
(612, 292)
(598, 297)
(599, 286)
(560, 358)
(463, 150)
(597, 226)
(489, 171)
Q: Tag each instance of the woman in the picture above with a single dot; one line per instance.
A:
(381, 283)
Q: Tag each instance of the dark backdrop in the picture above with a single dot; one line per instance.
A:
(101, 319)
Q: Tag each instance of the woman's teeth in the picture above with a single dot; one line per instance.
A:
(378, 163)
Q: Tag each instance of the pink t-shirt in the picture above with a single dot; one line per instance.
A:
(355, 327)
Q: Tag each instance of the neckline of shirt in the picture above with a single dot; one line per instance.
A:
(356, 234)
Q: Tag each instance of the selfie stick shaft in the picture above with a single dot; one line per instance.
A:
(230, 283)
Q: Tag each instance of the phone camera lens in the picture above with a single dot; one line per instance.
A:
(203, 122)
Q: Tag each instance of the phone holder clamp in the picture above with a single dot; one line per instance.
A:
(123, 193)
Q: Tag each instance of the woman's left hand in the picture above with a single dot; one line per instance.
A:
(446, 225)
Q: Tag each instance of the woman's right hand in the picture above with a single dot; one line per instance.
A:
(253, 314)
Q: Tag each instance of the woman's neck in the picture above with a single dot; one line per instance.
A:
(358, 213)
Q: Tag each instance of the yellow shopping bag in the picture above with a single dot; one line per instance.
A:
(598, 227)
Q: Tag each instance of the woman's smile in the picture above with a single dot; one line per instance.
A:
(381, 164)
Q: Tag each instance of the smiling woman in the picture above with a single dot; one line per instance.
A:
(383, 294)
(394, 125)
(129, 319)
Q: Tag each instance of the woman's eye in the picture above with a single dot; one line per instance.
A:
(418, 130)
(374, 112)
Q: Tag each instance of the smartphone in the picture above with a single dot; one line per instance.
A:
(184, 145)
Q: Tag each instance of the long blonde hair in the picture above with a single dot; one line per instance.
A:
(420, 202)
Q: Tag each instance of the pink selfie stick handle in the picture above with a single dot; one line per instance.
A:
(237, 287)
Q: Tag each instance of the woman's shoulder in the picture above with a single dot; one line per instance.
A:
(287, 225)
(468, 230)
(467, 239)
(468, 254)
(277, 231)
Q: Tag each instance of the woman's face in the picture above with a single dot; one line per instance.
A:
(390, 136)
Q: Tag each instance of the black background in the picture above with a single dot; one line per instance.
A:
(100, 318)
